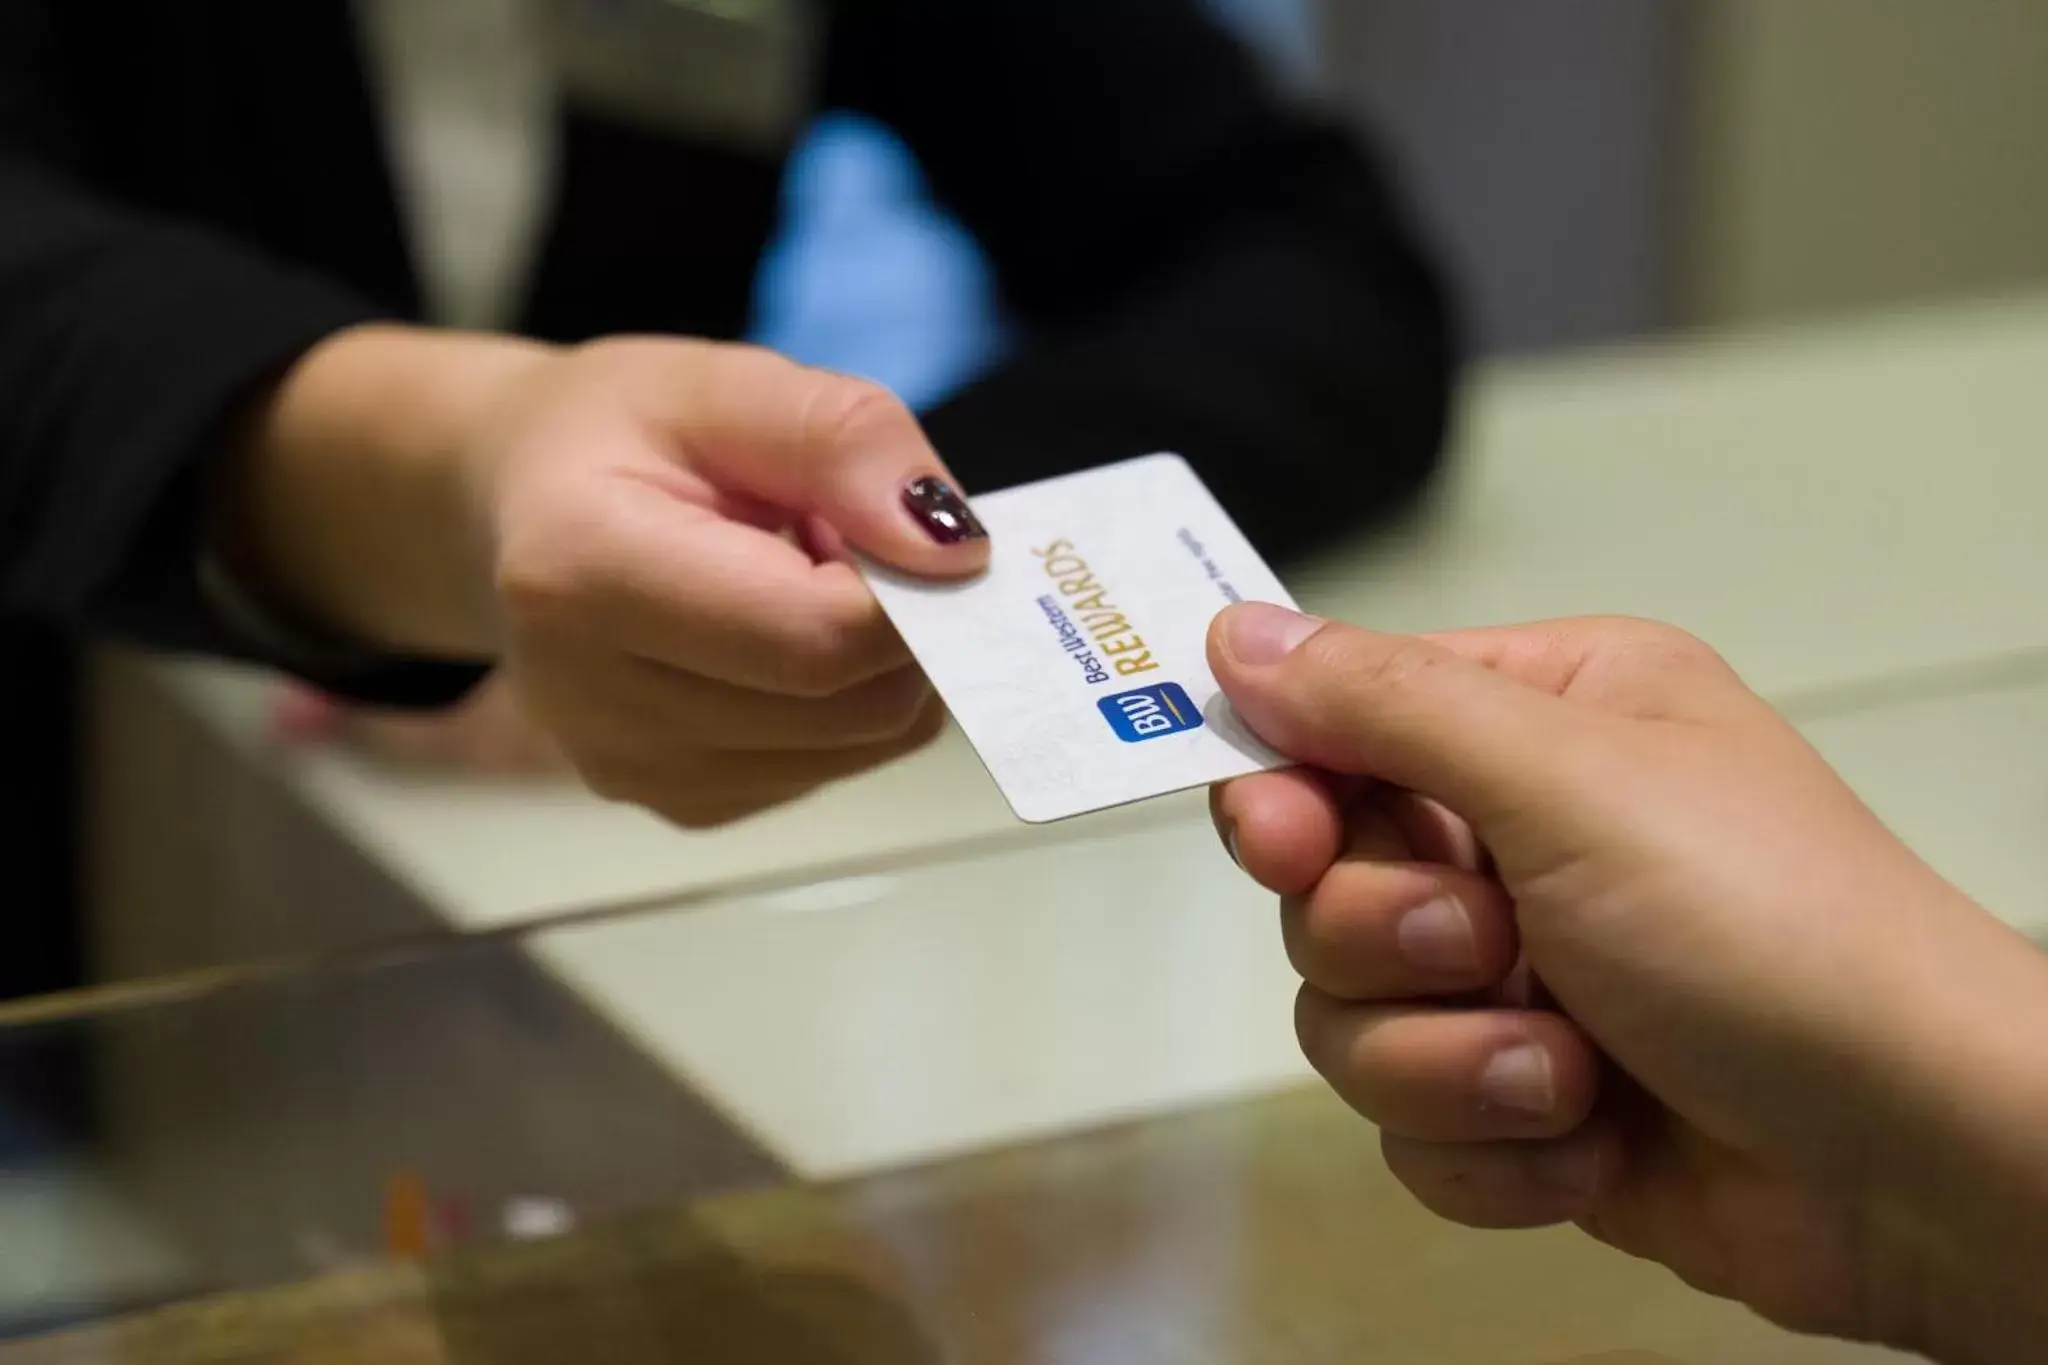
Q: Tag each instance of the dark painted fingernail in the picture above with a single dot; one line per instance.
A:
(943, 513)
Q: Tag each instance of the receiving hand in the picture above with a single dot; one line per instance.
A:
(1593, 935)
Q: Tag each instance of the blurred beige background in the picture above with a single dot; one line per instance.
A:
(1853, 152)
(1601, 168)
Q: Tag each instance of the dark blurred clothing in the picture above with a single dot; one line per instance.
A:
(192, 194)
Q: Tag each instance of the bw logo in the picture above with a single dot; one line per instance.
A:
(1150, 712)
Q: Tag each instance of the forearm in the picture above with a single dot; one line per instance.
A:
(346, 503)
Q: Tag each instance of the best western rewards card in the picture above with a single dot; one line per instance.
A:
(1077, 664)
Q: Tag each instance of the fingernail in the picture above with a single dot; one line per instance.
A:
(1230, 842)
(942, 512)
(1438, 937)
(1518, 1079)
(1259, 634)
(1571, 1167)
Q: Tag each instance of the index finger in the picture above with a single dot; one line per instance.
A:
(815, 443)
(683, 587)
(1641, 668)
(1283, 828)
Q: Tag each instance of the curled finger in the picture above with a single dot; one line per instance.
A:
(1399, 930)
(1451, 1075)
(1507, 1184)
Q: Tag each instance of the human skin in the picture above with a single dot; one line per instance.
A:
(1593, 936)
(648, 534)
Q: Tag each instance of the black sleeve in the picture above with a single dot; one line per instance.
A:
(1196, 264)
(127, 344)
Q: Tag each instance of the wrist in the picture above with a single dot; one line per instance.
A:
(350, 502)
(1959, 1194)
(1983, 1314)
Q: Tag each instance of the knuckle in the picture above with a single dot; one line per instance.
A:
(1411, 1161)
(1297, 938)
(1401, 667)
(1305, 916)
(548, 579)
(1663, 645)
(842, 411)
(826, 656)
(920, 728)
(1312, 1027)
(899, 709)
(677, 792)
(697, 812)
(538, 592)
(816, 664)
(630, 351)
(1420, 1168)
(606, 351)
(610, 782)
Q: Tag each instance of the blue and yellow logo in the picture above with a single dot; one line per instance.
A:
(1150, 713)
